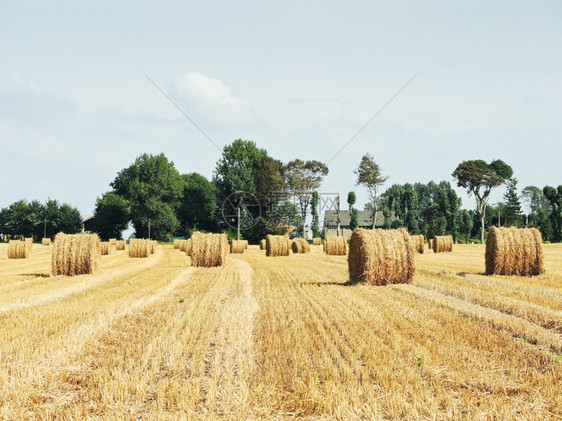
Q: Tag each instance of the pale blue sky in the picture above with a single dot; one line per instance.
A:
(299, 78)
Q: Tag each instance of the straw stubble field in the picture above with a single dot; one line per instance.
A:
(263, 338)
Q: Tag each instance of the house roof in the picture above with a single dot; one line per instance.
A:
(363, 218)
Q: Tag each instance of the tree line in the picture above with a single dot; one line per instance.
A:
(160, 202)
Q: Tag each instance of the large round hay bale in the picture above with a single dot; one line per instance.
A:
(18, 249)
(76, 254)
(183, 245)
(208, 250)
(514, 251)
(262, 244)
(139, 247)
(380, 257)
(317, 241)
(120, 245)
(442, 244)
(335, 245)
(277, 245)
(419, 243)
(106, 248)
(46, 242)
(300, 245)
(238, 246)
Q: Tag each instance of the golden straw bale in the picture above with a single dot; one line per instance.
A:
(188, 247)
(183, 245)
(245, 243)
(419, 243)
(429, 243)
(277, 245)
(317, 241)
(46, 242)
(18, 249)
(176, 243)
(139, 248)
(335, 245)
(300, 245)
(262, 244)
(112, 241)
(380, 257)
(237, 246)
(76, 254)
(153, 245)
(29, 243)
(442, 244)
(106, 248)
(514, 251)
(208, 250)
(120, 245)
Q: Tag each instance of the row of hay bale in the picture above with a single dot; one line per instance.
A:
(142, 247)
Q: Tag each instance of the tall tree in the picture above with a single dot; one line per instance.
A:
(303, 177)
(153, 188)
(315, 226)
(353, 213)
(512, 215)
(479, 178)
(554, 196)
(198, 204)
(111, 216)
(369, 175)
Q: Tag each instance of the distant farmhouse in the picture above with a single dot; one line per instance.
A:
(364, 220)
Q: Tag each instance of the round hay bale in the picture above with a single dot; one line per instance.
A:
(317, 241)
(139, 248)
(335, 245)
(262, 244)
(18, 249)
(112, 241)
(46, 242)
(76, 254)
(153, 246)
(238, 246)
(120, 245)
(245, 243)
(419, 243)
(300, 245)
(514, 251)
(277, 245)
(183, 245)
(106, 248)
(176, 243)
(442, 244)
(208, 250)
(29, 243)
(380, 257)
(188, 247)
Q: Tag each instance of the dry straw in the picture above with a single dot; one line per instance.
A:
(300, 245)
(46, 242)
(112, 241)
(262, 244)
(514, 251)
(245, 243)
(419, 243)
(120, 245)
(429, 243)
(335, 246)
(18, 249)
(176, 243)
(76, 254)
(139, 247)
(183, 245)
(237, 246)
(153, 245)
(106, 248)
(29, 243)
(188, 247)
(277, 245)
(208, 250)
(442, 244)
(380, 257)
(317, 241)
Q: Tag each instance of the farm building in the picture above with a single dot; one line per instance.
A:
(364, 220)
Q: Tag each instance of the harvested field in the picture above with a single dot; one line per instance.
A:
(262, 338)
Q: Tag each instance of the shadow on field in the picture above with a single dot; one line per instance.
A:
(341, 284)
(37, 275)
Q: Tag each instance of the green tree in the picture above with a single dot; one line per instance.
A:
(111, 216)
(198, 204)
(153, 188)
(314, 201)
(353, 213)
(479, 178)
(466, 223)
(369, 175)
(70, 221)
(511, 212)
(554, 197)
(304, 177)
(22, 218)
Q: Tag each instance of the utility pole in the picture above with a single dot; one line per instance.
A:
(238, 223)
